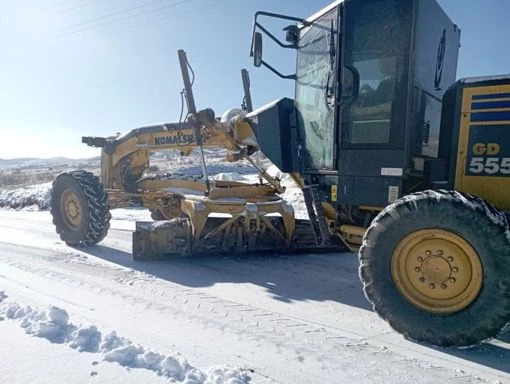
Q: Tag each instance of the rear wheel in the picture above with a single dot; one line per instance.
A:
(80, 209)
(436, 266)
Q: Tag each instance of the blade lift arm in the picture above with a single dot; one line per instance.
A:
(206, 118)
(194, 118)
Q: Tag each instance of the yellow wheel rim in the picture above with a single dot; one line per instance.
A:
(437, 271)
(71, 208)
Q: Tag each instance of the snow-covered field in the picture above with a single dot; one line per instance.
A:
(34, 197)
(74, 315)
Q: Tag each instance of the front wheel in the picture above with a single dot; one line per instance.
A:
(436, 266)
(80, 209)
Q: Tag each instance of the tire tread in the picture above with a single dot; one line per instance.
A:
(96, 201)
(477, 221)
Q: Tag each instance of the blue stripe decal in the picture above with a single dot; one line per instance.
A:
(491, 96)
(491, 105)
(490, 116)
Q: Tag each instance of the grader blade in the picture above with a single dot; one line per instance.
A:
(152, 239)
(221, 235)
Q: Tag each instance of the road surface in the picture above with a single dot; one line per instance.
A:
(281, 319)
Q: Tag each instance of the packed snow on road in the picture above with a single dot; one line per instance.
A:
(93, 314)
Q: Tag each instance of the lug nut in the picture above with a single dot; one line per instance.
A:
(450, 258)
(420, 259)
(422, 279)
(428, 253)
(444, 286)
(432, 286)
(439, 252)
(453, 280)
(417, 269)
(455, 269)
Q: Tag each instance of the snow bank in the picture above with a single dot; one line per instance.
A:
(53, 324)
(126, 353)
(36, 196)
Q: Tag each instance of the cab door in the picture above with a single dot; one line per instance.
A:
(376, 48)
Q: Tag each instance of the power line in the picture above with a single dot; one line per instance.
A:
(168, 16)
(75, 7)
(45, 10)
(123, 18)
(151, 21)
(104, 17)
(41, 12)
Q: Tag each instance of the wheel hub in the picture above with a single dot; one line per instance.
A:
(72, 209)
(437, 271)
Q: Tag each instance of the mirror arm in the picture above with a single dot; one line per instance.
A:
(278, 16)
(272, 37)
(291, 77)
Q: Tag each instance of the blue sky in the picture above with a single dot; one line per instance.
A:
(96, 67)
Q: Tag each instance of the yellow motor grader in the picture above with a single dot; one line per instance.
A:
(193, 216)
(396, 159)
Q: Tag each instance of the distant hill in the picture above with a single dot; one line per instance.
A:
(34, 161)
(16, 161)
(55, 159)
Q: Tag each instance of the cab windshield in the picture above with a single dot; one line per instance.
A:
(314, 96)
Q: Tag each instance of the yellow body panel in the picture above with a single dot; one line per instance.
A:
(334, 192)
(483, 153)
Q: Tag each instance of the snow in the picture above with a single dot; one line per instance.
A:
(229, 176)
(53, 324)
(32, 197)
(37, 197)
(79, 314)
(276, 319)
(35, 360)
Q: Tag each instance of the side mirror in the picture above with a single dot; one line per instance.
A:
(257, 49)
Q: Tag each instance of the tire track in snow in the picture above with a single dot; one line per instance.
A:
(303, 342)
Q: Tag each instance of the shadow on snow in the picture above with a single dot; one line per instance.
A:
(288, 278)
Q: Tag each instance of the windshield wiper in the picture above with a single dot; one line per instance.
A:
(332, 50)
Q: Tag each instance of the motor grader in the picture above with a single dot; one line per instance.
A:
(193, 216)
(396, 159)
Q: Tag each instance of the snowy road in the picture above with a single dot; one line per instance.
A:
(290, 319)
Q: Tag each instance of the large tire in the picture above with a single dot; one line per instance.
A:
(80, 208)
(436, 266)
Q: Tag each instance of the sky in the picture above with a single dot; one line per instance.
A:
(72, 68)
